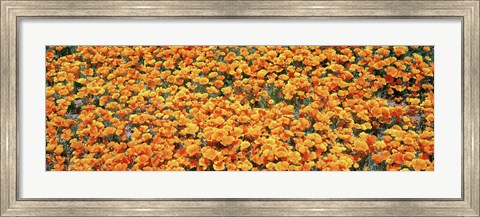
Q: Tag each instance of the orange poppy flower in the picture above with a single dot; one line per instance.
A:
(281, 166)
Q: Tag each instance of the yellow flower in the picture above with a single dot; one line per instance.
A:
(191, 128)
(281, 166)
(203, 81)
(244, 145)
(262, 73)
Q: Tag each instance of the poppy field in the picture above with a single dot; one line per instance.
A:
(239, 108)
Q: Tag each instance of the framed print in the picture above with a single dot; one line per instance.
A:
(227, 108)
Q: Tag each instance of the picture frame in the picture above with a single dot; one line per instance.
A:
(13, 11)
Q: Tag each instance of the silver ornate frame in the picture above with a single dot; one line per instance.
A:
(12, 11)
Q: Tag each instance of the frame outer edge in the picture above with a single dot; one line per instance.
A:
(475, 73)
(6, 195)
(3, 71)
(470, 105)
(10, 206)
(8, 110)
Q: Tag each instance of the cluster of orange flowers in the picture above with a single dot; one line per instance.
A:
(197, 108)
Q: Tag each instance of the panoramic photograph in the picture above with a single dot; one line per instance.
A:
(239, 108)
